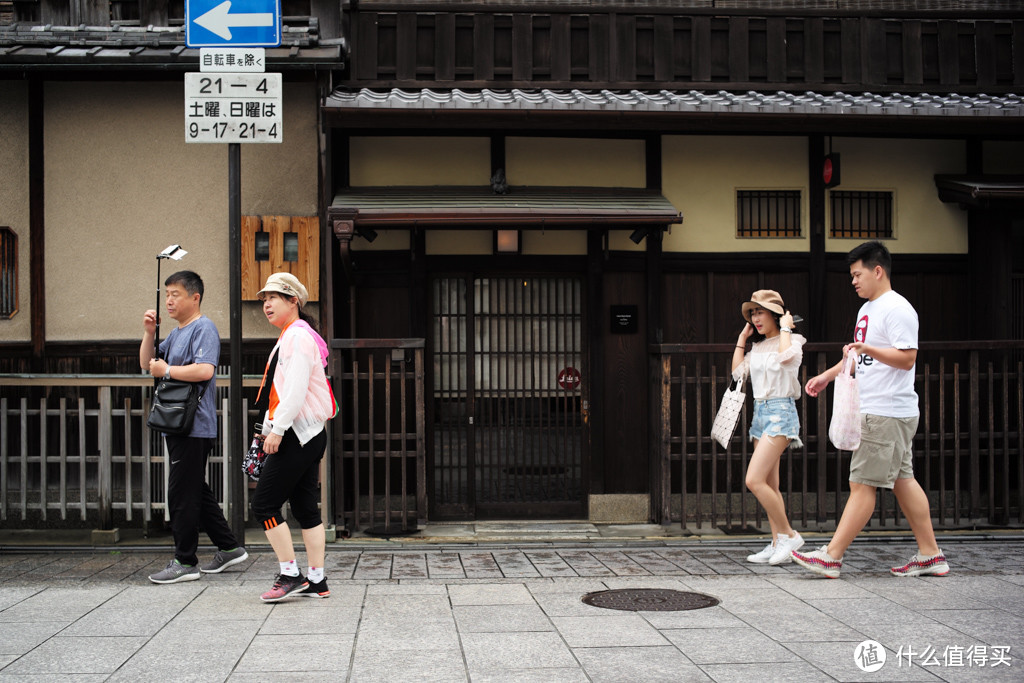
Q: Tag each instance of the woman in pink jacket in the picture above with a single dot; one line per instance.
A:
(300, 404)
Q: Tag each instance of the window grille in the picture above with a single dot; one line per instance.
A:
(861, 215)
(768, 213)
(8, 273)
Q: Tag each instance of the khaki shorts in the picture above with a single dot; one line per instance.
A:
(886, 451)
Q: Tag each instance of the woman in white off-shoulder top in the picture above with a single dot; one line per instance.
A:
(773, 364)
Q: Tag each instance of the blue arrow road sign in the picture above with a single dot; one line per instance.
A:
(232, 23)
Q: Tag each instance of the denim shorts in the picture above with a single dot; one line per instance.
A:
(776, 417)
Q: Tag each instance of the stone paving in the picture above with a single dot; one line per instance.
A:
(514, 613)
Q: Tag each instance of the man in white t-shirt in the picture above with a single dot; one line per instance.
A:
(885, 341)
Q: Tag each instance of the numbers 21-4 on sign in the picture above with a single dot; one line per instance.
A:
(233, 107)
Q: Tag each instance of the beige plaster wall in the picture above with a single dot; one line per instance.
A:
(122, 184)
(380, 161)
(575, 162)
(924, 225)
(554, 242)
(701, 174)
(14, 206)
(1003, 156)
(460, 242)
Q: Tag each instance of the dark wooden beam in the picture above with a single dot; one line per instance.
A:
(595, 359)
(37, 218)
(816, 224)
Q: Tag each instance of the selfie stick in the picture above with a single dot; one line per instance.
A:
(174, 252)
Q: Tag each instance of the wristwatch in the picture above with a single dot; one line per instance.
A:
(167, 375)
(785, 329)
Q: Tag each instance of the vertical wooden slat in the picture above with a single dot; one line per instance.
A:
(850, 50)
(444, 47)
(991, 448)
(873, 52)
(483, 47)
(698, 451)
(913, 55)
(985, 52)
(356, 435)
(522, 47)
(1007, 461)
(1017, 42)
(63, 413)
(739, 49)
(371, 435)
(403, 433)
(106, 464)
(975, 436)
(421, 461)
(814, 51)
(624, 48)
(821, 455)
(561, 48)
(684, 459)
(3, 458)
(1020, 441)
(365, 42)
(949, 53)
(387, 441)
(405, 59)
(43, 449)
(128, 458)
(956, 444)
(700, 32)
(24, 460)
(712, 407)
(147, 463)
(942, 439)
(82, 459)
(776, 37)
(600, 47)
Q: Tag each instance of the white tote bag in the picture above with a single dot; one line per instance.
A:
(729, 413)
(844, 430)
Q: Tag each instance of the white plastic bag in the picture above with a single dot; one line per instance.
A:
(844, 429)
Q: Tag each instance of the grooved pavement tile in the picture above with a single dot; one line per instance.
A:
(585, 564)
(514, 564)
(480, 565)
(624, 628)
(341, 565)
(299, 653)
(728, 646)
(654, 563)
(619, 563)
(409, 566)
(74, 655)
(502, 651)
(492, 594)
(548, 563)
(510, 618)
(386, 665)
(563, 675)
(661, 664)
(374, 566)
(445, 566)
(18, 638)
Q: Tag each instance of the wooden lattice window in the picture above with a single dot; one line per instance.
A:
(768, 213)
(272, 244)
(8, 273)
(861, 214)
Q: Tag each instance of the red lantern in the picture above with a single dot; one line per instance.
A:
(830, 170)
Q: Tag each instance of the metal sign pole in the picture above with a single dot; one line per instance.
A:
(236, 420)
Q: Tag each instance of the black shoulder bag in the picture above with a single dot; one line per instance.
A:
(255, 457)
(175, 403)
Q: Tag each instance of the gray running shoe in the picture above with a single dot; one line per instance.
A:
(175, 572)
(223, 559)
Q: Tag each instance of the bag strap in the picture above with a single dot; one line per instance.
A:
(268, 381)
(850, 366)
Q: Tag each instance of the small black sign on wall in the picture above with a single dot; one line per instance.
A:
(623, 319)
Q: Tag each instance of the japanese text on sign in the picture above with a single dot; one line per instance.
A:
(233, 59)
(230, 107)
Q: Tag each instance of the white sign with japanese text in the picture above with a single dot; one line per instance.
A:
(225, 107)
(232, 59)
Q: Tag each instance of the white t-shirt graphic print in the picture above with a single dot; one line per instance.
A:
(887, 322)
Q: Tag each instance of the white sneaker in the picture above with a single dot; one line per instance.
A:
(763, 556)
(784, 548)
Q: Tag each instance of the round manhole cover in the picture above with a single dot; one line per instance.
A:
(649, 600)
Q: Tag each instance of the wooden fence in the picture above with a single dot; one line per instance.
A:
(968, 448)
(380, 475)
(77, 447)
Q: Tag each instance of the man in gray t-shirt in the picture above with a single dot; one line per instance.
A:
(190, 353)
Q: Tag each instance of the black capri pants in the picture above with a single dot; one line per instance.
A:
(292, 474)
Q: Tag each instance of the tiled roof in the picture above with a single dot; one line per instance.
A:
(691, 101)
(26, 46)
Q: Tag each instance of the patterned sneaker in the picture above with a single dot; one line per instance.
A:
(283, 587)
(762, 557)
(819, 562)
(316, 590)
(785, 547)
(175, 572)
(223, 559)
(920, 565)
